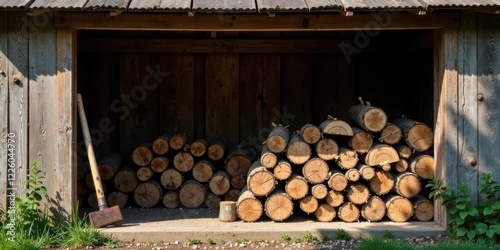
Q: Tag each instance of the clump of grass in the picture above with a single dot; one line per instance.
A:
(325, 237)
(342, 235)
(388, 235)
(286, 237)
(378, 242)
(459, 245)
(308, 237)
(194, 241)
(296, 240)
(210, 241)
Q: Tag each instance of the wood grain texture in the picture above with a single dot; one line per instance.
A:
(250, 110)
(18, 93)
(488, 85)
(4, 107)
(222, 101)
(467, 97)
(199, 95)
(445, 113)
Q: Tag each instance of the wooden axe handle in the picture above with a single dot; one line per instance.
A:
(101, 199)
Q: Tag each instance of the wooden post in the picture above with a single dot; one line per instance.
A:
(227, 211)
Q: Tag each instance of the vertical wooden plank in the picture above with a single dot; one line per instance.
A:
(467, 97)
(138, 109)
(446, 114)
(18, 92)
(296, 89)
(222, 98)
(63, 196)
(489, 87)
(4, 118)
(177, 94)
(271, 97)
(250, 100)
(199, 95)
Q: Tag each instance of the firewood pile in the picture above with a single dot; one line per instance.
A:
(169, 172)
(369, 169)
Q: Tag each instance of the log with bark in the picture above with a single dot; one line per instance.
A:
(282, 170)
(381, 155)
(357, 193)
(347, 158)
(369, 118)
(192, 194)
(348, 212)
(161, 145)
(183, 161)
(216, 150)
(297, 187)
(404, 151)
(171, 199)
(327, 149)
(248, 207)
(145, 173)
(325, 213)
(361, 141)
(399, 208)
(143, 154)
(315, 170)
(198, 148)
(400, 166)
(220, 183)
(125, 180)
(232, 194)
(334, 126)
(365, 172)
(212, 200)
(319, 191)
(310, 133)
(374, 209)
(117, 198)
(237, 162)
(334, 198)
(148, 194)
(390, 134)
(238, 181)
(178, 141)
(278, 206)
(268, 159)
(382, 183)
(278, 139)
(260, 180)
(308, 204)
(171, 179)
(227, 211)
(352, 175)
(417, 135)
(407, 184)
(337, 180)
(423, 208)
(159, 164)
(203, 170)
(298, 151)
(422, 165)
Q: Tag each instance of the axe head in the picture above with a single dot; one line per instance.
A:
(105, 217)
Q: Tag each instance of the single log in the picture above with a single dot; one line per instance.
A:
(237, 162)
(143, 154)
(400, 166)
(148, 194)
(390, 134)
(319, 191)
(227, 211)
(267, 158)
(183, 161)
(334, 126)
(380, 154)
(423, 208)
(308, 204)
(159, 164)
(367, 117)
(171, 179)
(382, 182)
(315, 170)
(145, 173)
(407, 184)
(399, 208)
(348, 212)
(198, 148)
(178, 141)
(337, 180)
(374, 209)
(278, 139)
(366, 172)
(212, 200)
(260, 180)
(278, 206)
(297, 187)
(248, 207)
(232, 194)
(238, 181)
(171, 199)
(352, 175)
(347, 158)
(325, 213)
(216, 150)
(220, 183)
(125, 180)
(81, 188)
(327, 149)
(357, 193)
(82, 170)
(334, 198)
(361, 141)
(417, 135)
(404, 152)
(422, 165)
(310, 133)
(203, 170)
(192, 194)
(298, 151)
(161, 144)
(282, 170)
(117, 198)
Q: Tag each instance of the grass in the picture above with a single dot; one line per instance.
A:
(457, 245)
(378, 242)
(381, 242)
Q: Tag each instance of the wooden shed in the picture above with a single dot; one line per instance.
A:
(228, 69)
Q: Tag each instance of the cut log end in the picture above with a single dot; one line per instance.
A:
(325, 213)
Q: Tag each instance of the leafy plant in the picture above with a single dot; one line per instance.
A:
(296, 240)
(388, 235)
(309, 237)
(210, 241)
(194, 241)
(342, 235)
(325, 237)
(286, 237)
(477, 222)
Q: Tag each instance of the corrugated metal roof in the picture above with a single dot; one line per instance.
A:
(160, 5)
(243, 5)
(224, 5)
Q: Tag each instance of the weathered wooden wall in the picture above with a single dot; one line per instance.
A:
(235, 97)
(4, 116)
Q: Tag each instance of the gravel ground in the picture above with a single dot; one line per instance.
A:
(267, 245)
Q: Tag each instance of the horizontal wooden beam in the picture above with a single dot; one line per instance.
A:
(211, 45)
(281, 22)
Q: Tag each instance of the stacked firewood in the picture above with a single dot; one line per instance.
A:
(170, 172)
(365, 169)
